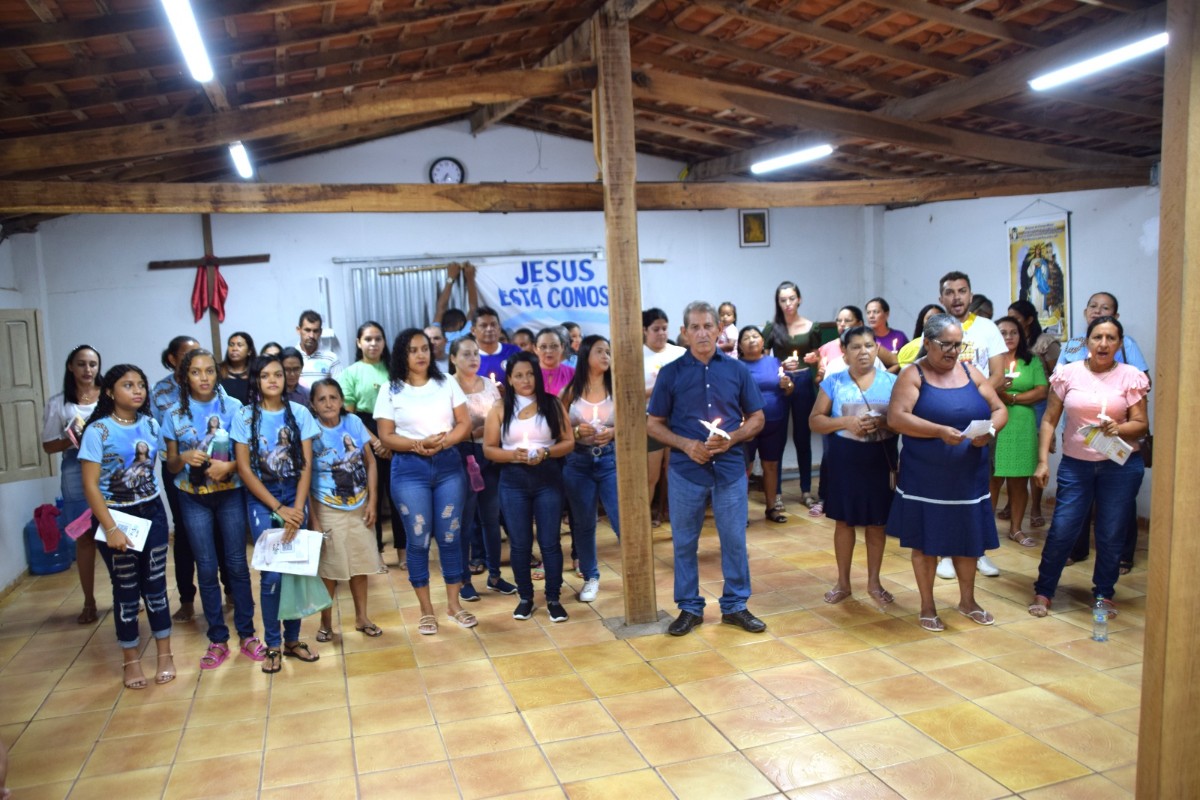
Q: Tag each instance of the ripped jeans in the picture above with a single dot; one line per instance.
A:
(137, 576)
(430, 492)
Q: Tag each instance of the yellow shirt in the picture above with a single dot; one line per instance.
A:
(908, 353)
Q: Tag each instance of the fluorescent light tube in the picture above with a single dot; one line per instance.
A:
(187, 33)
(241, 160)
(791, 159)
(1098, 63)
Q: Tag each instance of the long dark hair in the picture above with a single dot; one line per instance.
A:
(456, 345)
(547, 404)
(295, 450)
(173, 348)
(332, 384)
(251, 354)
(1026, 309)
(1023, 353)
(398, 364)
(579, 383)
(185, 388)
(919, 331)
(779, 328)
(105, 404)
(386, 355)
(69, 393)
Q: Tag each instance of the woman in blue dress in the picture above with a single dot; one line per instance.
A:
(942, 505)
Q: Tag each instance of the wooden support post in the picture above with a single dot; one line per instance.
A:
(619, 167)
(1168, 737)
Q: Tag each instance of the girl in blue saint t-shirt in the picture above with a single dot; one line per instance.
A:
(117, 455)
(212, 501)
(276, 469)
(344, 504)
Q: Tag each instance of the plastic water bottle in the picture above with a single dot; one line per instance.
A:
(1099, 622)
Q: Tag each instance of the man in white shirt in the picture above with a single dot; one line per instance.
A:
(318, 363)
(983, 347)
(437, 348)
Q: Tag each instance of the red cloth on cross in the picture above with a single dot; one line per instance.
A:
(202, 300)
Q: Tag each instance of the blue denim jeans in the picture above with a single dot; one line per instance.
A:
(730, 506)
(591, 473)
(269, 582)
(209, 517)
(74, 500)
(1114, 489)
(429, 491)
(533, 494)
(481, 514)
(136, 576)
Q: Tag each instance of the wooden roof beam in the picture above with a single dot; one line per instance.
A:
(58, 197)
(174, 135)
(966, 21)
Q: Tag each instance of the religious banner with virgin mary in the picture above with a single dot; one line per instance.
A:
(1039, 260)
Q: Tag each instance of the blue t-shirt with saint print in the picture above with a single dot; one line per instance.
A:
(195, 430)
(339, 468)
(274, 440)
(127, 455)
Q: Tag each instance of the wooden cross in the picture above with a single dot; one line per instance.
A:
(210, 262)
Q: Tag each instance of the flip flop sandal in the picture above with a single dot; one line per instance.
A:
(254, 649)
(835, 596)
(135, 683)
(1023, 539)
(979, 616)
(1040, 606)
(1037, 522)
(1126, 567)
(882, 596)
(273, 662)
(808, 499)
(88, 615)
(325, 634)
(427, 625)
(165, 675)
(538, 574)
(300, 652)
(932, 624)
(215, 656)
(775, 515)
(1004, 513)
(370, 629)
(465, 619)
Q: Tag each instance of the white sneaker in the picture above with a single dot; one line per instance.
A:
(591, 588)
(986, 567)
(945, 569)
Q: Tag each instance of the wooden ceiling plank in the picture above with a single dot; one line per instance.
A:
(863, 44)
(173, 135)
(1011, 77)
(1055, 122)
(58, 197)
(966, 21)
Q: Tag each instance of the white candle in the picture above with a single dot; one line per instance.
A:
(525, 447)
(492, 375)
(781, 371)
(1012, 371)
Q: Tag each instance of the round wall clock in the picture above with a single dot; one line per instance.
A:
(446, 170)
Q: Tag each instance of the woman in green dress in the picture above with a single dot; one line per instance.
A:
(1016, 446)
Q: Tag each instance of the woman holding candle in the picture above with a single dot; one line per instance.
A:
(657, 352)
(790, 337)
(1016, 445)
(525, 434)
(1110, 398)
(878, 313)
(851, 410)
(591, 469)
(776, 386)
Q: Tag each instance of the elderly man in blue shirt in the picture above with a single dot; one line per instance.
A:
(704, 403)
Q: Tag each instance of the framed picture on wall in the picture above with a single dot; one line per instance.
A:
(1039, 259)
(753, 227)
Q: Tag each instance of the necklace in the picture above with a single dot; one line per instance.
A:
(122, 420)
(88, 397)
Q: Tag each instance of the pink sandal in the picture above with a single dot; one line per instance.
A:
(215, 656)
(254, 649)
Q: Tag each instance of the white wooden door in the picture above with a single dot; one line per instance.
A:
(22, 397)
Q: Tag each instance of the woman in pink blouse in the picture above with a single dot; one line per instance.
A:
(551, 346)
(1099, 396)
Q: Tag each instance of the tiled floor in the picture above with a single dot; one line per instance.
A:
(833, 701)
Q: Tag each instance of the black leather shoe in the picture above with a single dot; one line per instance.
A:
(745, 620)
(683, 625)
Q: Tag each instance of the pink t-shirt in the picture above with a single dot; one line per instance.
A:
(555, 380)
(1084, 392)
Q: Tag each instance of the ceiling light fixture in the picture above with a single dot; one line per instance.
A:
(241, 160)
(1098, 63)
(791, 159)
(187, 33)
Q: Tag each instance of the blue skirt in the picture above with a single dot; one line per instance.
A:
(858, 474)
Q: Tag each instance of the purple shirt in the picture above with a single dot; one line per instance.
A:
(893, 340)
(557, 379)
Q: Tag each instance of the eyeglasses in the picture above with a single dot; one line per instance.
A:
(949, 347)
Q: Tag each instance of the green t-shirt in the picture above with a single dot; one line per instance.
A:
(361, 383)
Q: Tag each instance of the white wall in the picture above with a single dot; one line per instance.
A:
(1114, 248)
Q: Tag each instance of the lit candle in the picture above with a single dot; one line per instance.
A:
(525, 446)
(781, 371)
(492, 375)
(1012, 371)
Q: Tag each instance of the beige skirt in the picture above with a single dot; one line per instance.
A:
(349, 547)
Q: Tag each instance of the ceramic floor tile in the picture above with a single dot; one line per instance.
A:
(531, 639)
(863, 786)
(214, 777)
(593, 757)
(622, 679)
(1124, 777)
(510, 772)
(292, 698)
(1129, 719)
(459, 675)
(929, 654)
(884, 743)
(472, 737)
(760, 655)
(131, 753)
(808, 760)
(977, 679)
(838, 708)
(944, 775)
(602, 655)
(145, 782)
(1090, 787)
(307, 763)
(427, 781)
(309, 727)
(762, 724)
(569, 721)
(482, 701)
(1040, 665)
(214, 741)
(367, 689)
(792, 680)
(399, 714)
(383, 751)
(531, 665)
(644, 785)
(1095, 743)
(1022, 763)
(721, 694)
(135, 720)
(727, 777)
(218, 708)
(679, 741)
(960, 725)
(908, 693)
(551, 691)
(649, 708)
(987, 642)
(869, 665)
(1097, 693)
(27, 769)
(317, 790)
(1033, 709)
(693, 667)
(1098, 655)
(654, 647)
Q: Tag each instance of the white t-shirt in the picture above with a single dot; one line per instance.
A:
(60, 413)
(981, 341)
(652, 362)
(420, 411)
